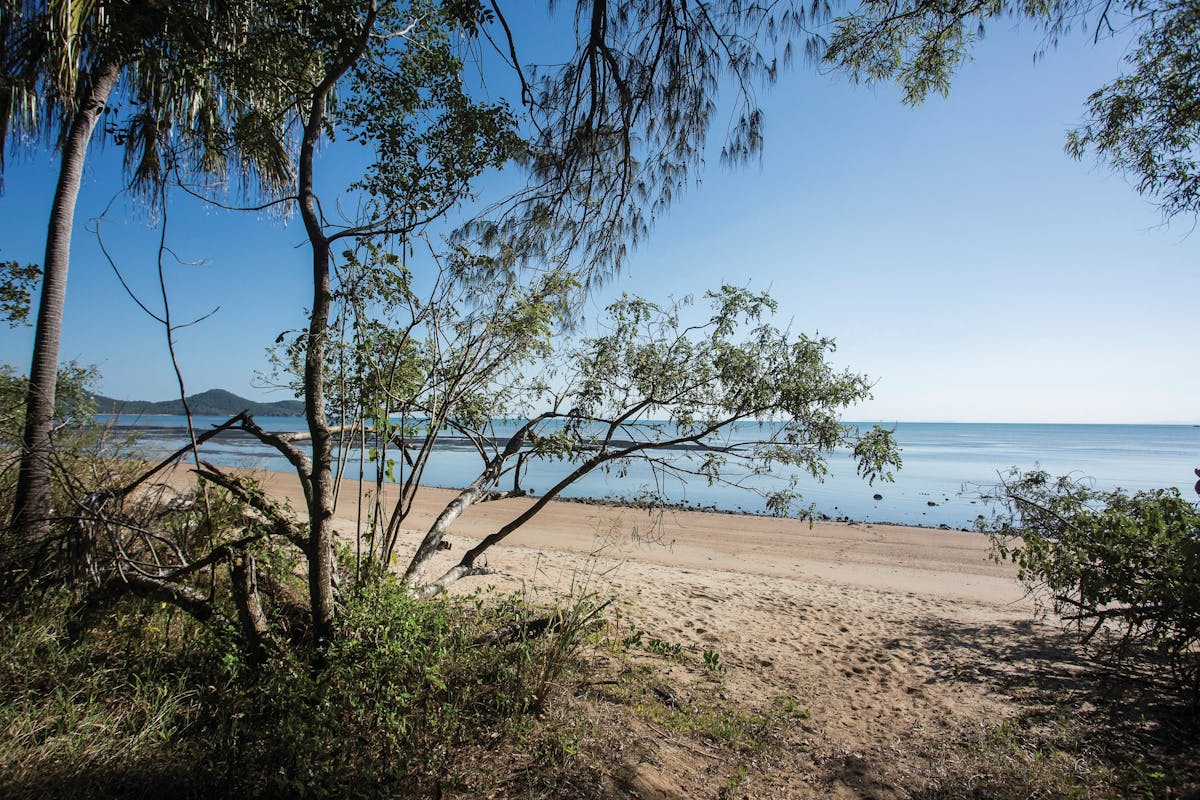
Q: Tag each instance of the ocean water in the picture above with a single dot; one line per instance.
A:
(946, 466)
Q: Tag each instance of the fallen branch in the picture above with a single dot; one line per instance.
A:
(124, 491)
(281, 521)
(523, 630)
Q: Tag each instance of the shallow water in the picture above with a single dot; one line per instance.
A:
(945, 465)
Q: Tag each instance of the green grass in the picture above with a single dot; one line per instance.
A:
(150, 703)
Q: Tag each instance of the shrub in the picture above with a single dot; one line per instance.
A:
(413, 698)
(400, 692)
(82, 458)
(1122, 569)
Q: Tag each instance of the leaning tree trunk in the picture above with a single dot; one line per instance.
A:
(31, 508)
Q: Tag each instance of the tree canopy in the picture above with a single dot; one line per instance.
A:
(1145, 123)
(184, 95)
(618, 128)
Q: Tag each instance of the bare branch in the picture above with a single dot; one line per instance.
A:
(282, 522)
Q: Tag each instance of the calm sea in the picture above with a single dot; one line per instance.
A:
(945, 466)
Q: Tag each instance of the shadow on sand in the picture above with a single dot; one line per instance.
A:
(1077, 719)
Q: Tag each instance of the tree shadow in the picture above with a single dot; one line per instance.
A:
(1040, 664)
(1078, 718)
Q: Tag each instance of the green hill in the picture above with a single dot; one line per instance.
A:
(214, 402)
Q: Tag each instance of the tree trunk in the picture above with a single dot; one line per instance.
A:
(31, 508)
(320, 499)
(486, 480)
(243, 582)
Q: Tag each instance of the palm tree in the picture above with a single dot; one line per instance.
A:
(172, 66)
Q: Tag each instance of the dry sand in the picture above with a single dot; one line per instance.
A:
(883, 634)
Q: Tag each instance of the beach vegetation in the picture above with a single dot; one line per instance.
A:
(385, 358)
(409, 703)
(1145, 123)
(218, 641)
(390, 77)
(242, 94)
(1122, 569)
(79, 469)
(643, 686)
(651, 386)
(155, 80)
(1036, 754)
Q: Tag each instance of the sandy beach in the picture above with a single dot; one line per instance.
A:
(886, 636)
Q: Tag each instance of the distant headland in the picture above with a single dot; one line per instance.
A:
(214, 402)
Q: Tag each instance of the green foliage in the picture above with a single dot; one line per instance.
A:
(407, 687)
(383, 692)
(152, 703)
(619, 118)
(406, 101)
(16, 285)
(192, 95)
(742, 730)
(1121, 568)
(921, 43)
(391, 79)
(661, 381)
(1145, 123)
(729, 399)
(12, 405)
(77, 445)
(101, 719)
(661, 647)
(74, 406)
(706, 715)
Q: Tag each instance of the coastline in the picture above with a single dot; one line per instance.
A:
(626, 502)
(946, 469)
(949, 564)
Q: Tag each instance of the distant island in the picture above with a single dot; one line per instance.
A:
(214, 402)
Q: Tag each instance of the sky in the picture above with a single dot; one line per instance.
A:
(956, 254)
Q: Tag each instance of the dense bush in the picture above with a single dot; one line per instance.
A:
(413, 699)
(406, 690)
(82, 461)
(1123, 569)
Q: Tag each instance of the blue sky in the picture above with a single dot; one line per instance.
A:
(958, 256)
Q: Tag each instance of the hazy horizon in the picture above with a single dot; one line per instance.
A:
(853, 420)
